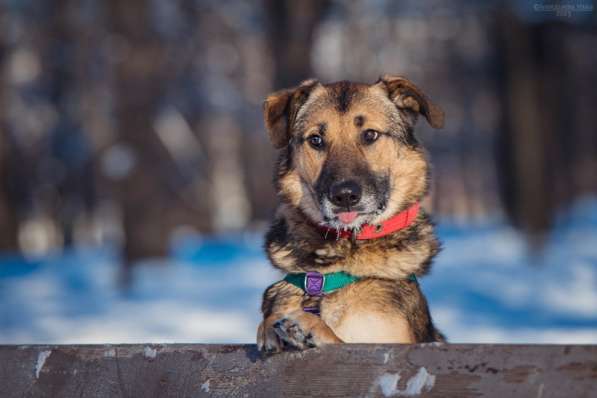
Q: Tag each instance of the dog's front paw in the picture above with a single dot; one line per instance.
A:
(267, 339)
(292, 334)
(303, 330)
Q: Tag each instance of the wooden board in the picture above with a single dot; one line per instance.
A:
(189, 370)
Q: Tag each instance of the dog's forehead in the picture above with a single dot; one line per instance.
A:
(345, 102)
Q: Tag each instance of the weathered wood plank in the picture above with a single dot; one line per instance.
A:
(186, 370)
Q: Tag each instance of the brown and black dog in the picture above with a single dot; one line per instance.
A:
(350, 176)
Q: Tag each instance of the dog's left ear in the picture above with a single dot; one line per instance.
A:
(280, 110)
(405, 95)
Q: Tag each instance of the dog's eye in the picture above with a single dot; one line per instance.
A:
(370, 136)
(316, 141)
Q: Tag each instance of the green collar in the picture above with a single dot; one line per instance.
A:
(316, 284)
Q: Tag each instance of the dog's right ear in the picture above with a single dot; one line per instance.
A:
(280, 110)
(406, 95)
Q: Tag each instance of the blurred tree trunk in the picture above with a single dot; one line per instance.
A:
(150, 202)
(139, 85)
(291, 26)
(8, 211)
(68, 146)
(522, 146)
(542, 166)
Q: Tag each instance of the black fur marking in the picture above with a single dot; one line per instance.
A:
(409, 138)
(278, 233)
(323, 128)
(359, 121)
(283, 164)
(343, 93)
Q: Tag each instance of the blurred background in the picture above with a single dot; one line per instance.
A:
(135, 172)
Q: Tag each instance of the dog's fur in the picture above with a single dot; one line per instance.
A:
(391, 169)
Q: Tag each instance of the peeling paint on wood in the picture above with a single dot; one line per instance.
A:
(41, 360)
(150, 352)
(179, 370)
(420, 382)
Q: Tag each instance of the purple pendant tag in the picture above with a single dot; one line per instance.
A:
(314, 282)
(312, 310)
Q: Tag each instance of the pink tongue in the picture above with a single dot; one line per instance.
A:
(347, 217)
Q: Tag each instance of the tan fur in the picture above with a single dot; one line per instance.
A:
(385, 306)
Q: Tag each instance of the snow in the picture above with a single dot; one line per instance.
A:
(488, 287)
(485, 286)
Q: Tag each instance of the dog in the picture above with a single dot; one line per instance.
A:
(349, 231)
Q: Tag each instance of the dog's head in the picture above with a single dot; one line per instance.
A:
(349, 154)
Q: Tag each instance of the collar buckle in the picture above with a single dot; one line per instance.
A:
(314, 283)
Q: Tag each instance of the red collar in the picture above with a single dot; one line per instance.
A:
(396, 223)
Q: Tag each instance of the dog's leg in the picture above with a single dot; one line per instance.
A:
(303, 330)
(287, 325)
(267, 339)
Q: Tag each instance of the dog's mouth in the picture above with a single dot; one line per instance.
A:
(348, 219)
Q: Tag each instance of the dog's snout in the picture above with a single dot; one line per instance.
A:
(345, 194)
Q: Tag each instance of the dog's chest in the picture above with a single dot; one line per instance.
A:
(357, 316)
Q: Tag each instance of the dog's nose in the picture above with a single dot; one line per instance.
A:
(345, 194)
